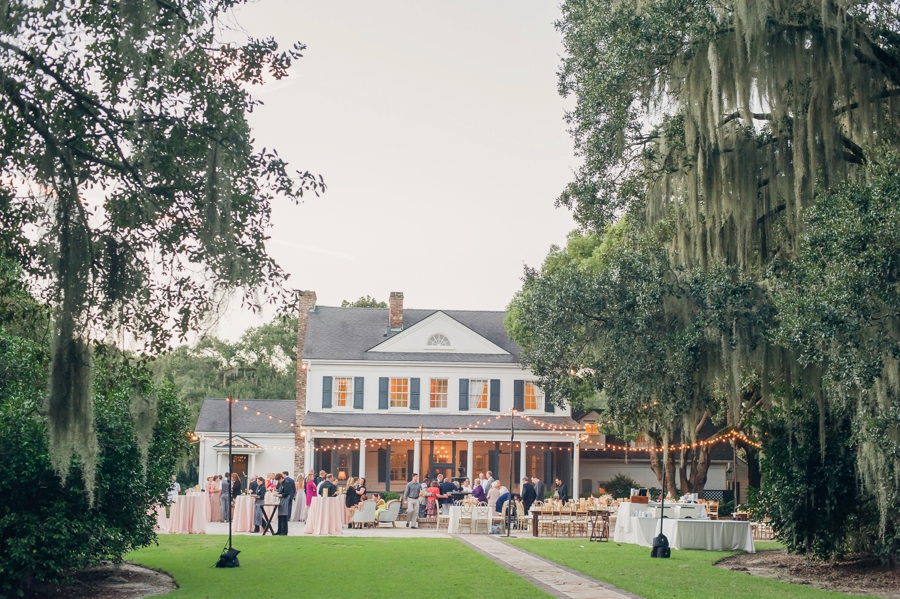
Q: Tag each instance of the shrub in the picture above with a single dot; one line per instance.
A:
(621, 485)
(48, 528)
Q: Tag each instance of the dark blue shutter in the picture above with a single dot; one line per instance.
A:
(384, 383)
(548, 405)
(382, 460)
(326, 391)
(359, 385)
(519, 395)
(495, 395)
(413, 394)
(463, 395)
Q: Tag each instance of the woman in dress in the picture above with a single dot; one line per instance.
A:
(215, 499)
(260, 499)
(310, 491)
(432, 494)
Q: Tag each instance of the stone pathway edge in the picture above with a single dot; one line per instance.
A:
(541, 585)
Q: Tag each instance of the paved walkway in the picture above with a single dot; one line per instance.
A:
(557, 580)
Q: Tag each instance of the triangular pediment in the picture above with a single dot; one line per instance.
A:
(238, 442)
(439, 333)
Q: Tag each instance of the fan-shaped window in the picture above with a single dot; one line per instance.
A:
(438, 340)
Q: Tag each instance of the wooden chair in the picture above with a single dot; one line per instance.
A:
(564, 523)
(580, 522)
(712, 510)
(482, 515)
(546, 523)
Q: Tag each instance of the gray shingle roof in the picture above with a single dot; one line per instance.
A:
(214, 416)
(348, 333)
(429, 421)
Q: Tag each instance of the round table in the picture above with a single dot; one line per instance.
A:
(189, 513)
(244, 506)
(326, 516)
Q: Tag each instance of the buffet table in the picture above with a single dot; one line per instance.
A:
(188, 514)
(690, 533)
(326, 516)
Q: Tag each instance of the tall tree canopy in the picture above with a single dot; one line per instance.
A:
(712, 127)
(131, 177)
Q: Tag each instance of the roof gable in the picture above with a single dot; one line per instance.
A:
(439, 333)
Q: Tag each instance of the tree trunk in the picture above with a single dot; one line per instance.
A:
(656, 464)
(700, 469)
(753, 471)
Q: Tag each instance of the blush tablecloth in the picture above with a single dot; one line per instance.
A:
(189, 513)
(244, 506)
(326, 516)
(711, 535)
(162, 523)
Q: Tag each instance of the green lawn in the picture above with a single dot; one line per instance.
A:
(330, 567)
(686, 575)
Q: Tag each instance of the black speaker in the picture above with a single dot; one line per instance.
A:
(660, 547)
(228, 559)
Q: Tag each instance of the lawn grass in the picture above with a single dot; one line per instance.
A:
(329, 567)
(686, 575)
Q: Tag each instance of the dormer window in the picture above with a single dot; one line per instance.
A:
(438, 340)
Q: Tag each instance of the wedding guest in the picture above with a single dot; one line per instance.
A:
(225, 499)
(215, 498)
(446, 499)
(174, 490)
(259, 500)
(538, 488)
(487, 482)
(466, 487)
(236, 489)
(562, 490)
(310, 488)
(251, 486)
(423, 498)
(291, 489)
(528, 494)
(328, 488)
(432, 495)
(478, 491)
(494, 494)
(355, 491)
(283, 493)
(411, 496)
(321, 478)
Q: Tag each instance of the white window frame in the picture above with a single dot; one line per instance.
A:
(487, 395)
(335, 397)
(538, 397)
(446, 394)
(391, 393)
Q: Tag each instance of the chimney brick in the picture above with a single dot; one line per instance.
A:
(396, 306)
(306, 302)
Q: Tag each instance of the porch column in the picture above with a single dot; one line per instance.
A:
(362, 456)
(310, 460)
(576, 468)
(252, 468)
(219, 461)
(417, 459)
(523, 467)
(470, 462)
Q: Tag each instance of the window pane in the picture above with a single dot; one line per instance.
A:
(532, 396)
(398, 466)
(343, 389)
(478, 395)
(439, 393)
(399, 393)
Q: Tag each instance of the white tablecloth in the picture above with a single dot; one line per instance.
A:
(480, 513)
(676, 510)
(694, 533)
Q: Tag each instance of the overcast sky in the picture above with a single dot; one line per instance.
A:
(440, 134)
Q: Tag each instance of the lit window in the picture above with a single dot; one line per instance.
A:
(399, 393)
(533, 396)
(439, 340)
(398, 466)
(478, 395)
(342, 391)
(438, 393)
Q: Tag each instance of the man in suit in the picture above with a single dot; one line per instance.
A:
(225, 498)
(487, 482)
(253, 485)
(446, 488)
(528, 494)
(290, 491)
(538, 488)
(563, 490)
(328, 485)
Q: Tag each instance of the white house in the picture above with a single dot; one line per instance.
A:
(387, 392)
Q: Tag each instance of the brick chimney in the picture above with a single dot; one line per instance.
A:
(305, 304)
(396, 305)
